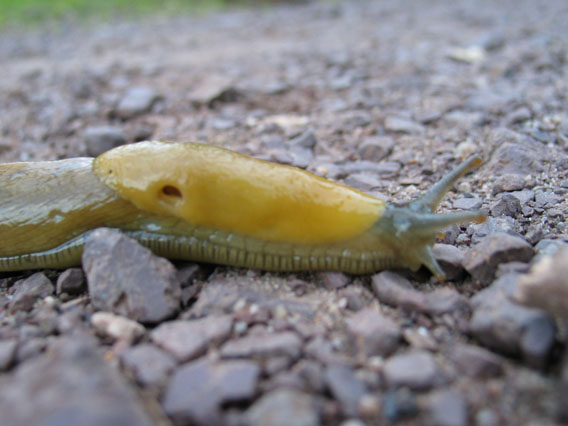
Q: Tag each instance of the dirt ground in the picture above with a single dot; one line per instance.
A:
(383, 96)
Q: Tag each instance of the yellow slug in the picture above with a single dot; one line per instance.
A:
(204, 203)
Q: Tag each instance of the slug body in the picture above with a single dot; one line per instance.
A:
(205, 203)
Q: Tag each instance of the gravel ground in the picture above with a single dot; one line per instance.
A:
(384, 96)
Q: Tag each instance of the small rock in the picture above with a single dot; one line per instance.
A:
(447, 408)
(71, 281)
(468, 203)
(507, 205)
(198, 389)
(99, 139)
(283, 407)
(403, 125)
(376, 148)
(116, 327)
(29, 290)
(333, 280)
(188, 339)
(136, 101)
(7, 353)
(70, 384)
(450, 259)
(125, 278)
(519, 115)
(312, 373)
(150, 365)
(399, 404)
(395, 290)
(476, 362)
(264, 345)
(508, 182)
(345, 388)
(509, 328)
(374, 333)
(301, 157)
(482, 260)
(469, 55)
(214, 89)
(306, 140)
(514, 154)
(416, 370)
(545, 286)
(524, 196)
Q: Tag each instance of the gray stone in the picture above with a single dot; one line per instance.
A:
(345, 388)
(416, 370)
(149, 365)
(29, 290)
(71, 281)
(214, 89)
(468, 203)
(403, 125)
(546, 286)
(7, 353)
(264, 345)
(447, 408)
(312, 373)
(399, 404)
(363, 181)
(507, 205)
(518, 115)
(188, 339)
(508, 182)
(450, 259)
(70, 384)
(136, 101)
(374, 334)
(524, 196)
(482, 260)
(125, 278)
(476, 362)
(394, 290)
(333, 280)
(306, 140)
(283, 407)
(514, 154)
(197, 390)
(376, 148)
(99, 139)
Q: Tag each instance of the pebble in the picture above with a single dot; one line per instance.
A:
(415, 369)
(512, 329)
(477, 362)
(375, 148)
(214, 89)
(508, 182)
(99, 139)
(306, 140)
(283, 407)
(188, 339)
(8, 349)
(450, 259)
(468, 203)
(518, 115)
(346, 388)
(198, 389)
(447, 408)
(71, 281)
(136, 101)
(129, 280)
(399, 404)
(116, 327)
(70, 384)
(506, 205)
(482, 260)
(392, 289)
(149, 365)
(312, 373)
(515, 158)
(374, 334)
(333, 280)
(524, 196)
(264, 345)
(364, 181)
(403, 125)
(29, 290)
(545, 286)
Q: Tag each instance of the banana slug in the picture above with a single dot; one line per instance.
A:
(205, 203)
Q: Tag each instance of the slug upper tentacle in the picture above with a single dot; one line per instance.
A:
(205, 203)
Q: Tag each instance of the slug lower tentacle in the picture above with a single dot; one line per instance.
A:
(204, 203)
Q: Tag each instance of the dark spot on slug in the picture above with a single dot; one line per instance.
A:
(171, 191)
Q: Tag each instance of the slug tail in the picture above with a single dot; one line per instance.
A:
(431, 199)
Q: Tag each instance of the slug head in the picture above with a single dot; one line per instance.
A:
(412, 229)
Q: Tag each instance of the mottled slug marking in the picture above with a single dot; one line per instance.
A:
(204, 203)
